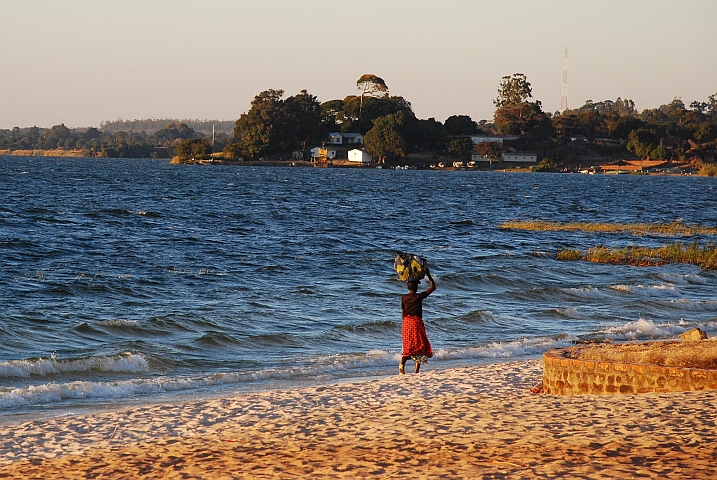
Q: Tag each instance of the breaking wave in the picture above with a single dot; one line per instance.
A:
(123, 363)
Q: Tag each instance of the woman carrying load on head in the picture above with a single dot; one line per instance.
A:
(413, 332)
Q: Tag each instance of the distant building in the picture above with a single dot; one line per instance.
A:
(520, 157)
(476, 139)
(330, 152)
(608, 142)
(477, 157)
(360, 156)
(337, 138)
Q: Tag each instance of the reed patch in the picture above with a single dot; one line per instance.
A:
(704, 256)
(658, 229)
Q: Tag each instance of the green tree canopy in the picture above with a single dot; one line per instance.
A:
(521, 118)
(370, 84)
(460, 145)
(429, 135)
(643, 141)
(329, 116)
(513, 91)
(348, 117)
(273, 125)
(460, 125)
(196, 148)
(304, 111)
(491, 150)
(174, 131)
(387, 137)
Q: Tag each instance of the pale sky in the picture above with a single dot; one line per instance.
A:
(80, 62)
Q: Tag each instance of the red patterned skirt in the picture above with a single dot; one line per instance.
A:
(415, 340)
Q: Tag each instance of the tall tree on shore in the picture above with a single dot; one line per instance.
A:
(277, 126)
(491, 150)
(514, 114)
(387, 137)
(429, 135)
(305, 111)
(513, 90)
(370, 84)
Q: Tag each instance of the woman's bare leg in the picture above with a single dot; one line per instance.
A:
(401, 367)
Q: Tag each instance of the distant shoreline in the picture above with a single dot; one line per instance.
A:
(295, 163)
(46, 153)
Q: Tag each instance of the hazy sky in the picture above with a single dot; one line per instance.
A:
(80, 62)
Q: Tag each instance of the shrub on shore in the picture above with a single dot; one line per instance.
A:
(708, 170)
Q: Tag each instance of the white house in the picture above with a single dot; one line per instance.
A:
(360, 156)
(477, 157)
(337, 138)
(353, 138)
(520, 157)
(330, 152)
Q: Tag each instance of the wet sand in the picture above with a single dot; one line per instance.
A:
(474, 422)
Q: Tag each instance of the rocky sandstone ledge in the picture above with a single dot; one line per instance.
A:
(666, 366)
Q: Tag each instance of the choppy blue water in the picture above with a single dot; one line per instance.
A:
(135, 281)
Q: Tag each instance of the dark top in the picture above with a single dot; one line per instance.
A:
(412, 304)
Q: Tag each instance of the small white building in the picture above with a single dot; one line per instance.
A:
(330, 152)
(360, 156)
(337, 138)
(477, 157)
(520, 157)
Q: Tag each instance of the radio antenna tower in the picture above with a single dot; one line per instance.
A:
(564, 100)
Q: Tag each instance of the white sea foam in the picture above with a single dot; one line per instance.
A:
(118, 323)
(623, 288)
(644, 328)
(569, 312)
(649, 290)
(590, 293)
(682, 279)
(512, 349)
(124, 363)
(58, 392)
(694, 305)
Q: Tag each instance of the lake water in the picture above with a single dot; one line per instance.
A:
(135, 281)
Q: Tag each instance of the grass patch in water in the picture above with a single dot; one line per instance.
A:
(704, 256)
(667, 229)
(569, 255)
(702, 354)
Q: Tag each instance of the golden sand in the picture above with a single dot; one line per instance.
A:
(475, 422)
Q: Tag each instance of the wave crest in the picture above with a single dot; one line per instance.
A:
(124, 363)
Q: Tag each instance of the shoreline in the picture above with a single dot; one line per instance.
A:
(456, 423)
(339, 164)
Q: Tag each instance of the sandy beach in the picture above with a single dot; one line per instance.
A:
(473, 422)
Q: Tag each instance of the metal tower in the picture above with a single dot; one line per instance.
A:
(564, 100)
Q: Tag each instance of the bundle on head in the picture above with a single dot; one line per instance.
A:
(410, 267)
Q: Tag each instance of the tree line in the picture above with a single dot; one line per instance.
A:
(277, 125)
(162, 143)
